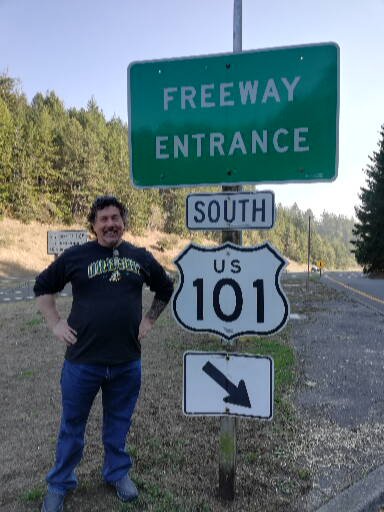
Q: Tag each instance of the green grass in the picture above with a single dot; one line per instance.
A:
(35, 494)
(251, 457)
(159, 453)
(304, 474)
(153, 497)
(26, 374)
(283, 356)
(34, 322)
(158, 500)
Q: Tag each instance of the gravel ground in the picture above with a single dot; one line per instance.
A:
(340, 397)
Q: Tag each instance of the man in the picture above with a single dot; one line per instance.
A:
(103, 334)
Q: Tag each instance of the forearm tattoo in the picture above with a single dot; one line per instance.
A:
(156, 309)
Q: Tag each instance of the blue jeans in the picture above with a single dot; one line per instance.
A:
(80, 384)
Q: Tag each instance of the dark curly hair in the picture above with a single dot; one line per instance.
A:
(102, 202)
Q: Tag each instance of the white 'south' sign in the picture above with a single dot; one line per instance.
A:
(231, 210)
(231, 290)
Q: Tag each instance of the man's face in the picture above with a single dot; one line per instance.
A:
(108, 226)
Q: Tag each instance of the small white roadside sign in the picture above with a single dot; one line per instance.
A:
(58, 241)
(222, 384)
(231, 210)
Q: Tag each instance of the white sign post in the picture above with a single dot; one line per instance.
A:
(230, 290)
(217, 384)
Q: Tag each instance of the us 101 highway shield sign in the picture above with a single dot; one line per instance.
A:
(231, 290)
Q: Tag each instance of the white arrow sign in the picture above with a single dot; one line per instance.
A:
(231, 290)
(228, 384)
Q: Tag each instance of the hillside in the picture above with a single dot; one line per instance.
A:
(23, 247)
(54, 161)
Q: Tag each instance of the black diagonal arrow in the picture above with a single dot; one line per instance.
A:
(237, 395)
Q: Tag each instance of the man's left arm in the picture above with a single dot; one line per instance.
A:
(162, 285)
(150, 317)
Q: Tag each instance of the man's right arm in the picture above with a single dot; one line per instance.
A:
(59, 326)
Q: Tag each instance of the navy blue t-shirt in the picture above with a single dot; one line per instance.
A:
(107, 298)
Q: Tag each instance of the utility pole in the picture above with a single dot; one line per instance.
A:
(309, 249)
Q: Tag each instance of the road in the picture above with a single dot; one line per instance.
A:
(360, 287)
(368, 291)
(16, 289)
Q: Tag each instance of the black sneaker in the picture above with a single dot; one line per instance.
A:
(53, 502)
(126, 490)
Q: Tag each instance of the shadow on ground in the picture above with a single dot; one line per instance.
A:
(11, 269)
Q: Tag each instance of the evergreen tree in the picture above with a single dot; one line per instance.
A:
(6, 139)
(54, 161)
(173, 203)
(369, 228)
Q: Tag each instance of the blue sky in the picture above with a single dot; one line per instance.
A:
(81, 48)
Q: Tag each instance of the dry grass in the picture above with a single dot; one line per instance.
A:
(176, 458)
(23, 247)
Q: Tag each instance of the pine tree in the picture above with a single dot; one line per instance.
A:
(369, 228)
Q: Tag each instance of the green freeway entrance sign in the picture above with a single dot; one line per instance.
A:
(259, 116)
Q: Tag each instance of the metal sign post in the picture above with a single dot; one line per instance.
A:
(228, 424)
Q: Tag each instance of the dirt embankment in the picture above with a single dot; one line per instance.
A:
(23, 247)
